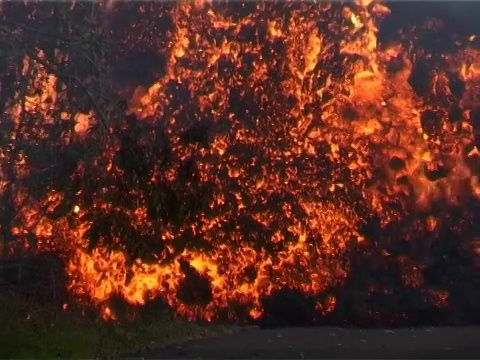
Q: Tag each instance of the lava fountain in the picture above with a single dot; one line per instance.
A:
(262, 148)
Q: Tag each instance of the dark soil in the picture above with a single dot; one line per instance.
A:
(331, 342)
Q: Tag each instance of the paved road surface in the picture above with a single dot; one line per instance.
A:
(329, 342)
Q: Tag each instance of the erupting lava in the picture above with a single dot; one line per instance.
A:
(281, 141)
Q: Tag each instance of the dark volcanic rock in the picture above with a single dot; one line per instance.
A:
(287, 307)
(153, 310)
(194, 289)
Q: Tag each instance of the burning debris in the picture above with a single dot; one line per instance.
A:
(295, 163)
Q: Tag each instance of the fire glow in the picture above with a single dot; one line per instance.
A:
(286, 136)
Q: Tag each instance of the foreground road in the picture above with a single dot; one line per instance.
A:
(329, 342)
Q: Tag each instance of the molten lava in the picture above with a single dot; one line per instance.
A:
(273, 137)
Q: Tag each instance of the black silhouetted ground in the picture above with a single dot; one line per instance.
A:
(331, 342)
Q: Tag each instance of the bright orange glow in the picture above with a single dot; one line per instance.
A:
(345, 147)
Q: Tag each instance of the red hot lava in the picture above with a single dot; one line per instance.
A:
(272, 146)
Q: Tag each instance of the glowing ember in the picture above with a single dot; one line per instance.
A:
(287, 132)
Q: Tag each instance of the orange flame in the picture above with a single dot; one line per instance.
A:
(356, 123)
